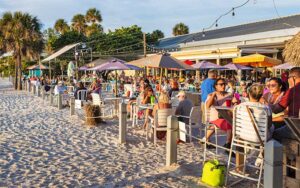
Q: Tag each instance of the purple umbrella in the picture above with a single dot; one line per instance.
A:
(286, 66)
(206, 65)
(83, 68)
(115, 65)
(233, 66)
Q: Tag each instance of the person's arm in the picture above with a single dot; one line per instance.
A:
(283, 104)
(210, 100)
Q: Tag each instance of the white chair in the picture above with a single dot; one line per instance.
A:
(250, 131)
(194, 120)
(82, 95)
(217, 134)
(136, 109)
(105, 109)
(160, 122)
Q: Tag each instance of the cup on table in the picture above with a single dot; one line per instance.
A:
(152, 99)
(228, 103)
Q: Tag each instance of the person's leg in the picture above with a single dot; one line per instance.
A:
(210, 132)
(229, 136)
(283, 133)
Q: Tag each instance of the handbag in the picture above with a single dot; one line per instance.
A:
(213, 173)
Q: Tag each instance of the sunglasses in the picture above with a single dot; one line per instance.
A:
(221, 84)
(271, 85)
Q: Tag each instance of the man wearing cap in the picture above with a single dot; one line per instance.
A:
(184, 107)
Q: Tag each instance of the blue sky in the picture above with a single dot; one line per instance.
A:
(154, 14)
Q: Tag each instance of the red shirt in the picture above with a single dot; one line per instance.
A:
(291, 99)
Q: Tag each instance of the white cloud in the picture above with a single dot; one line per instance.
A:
(153, 14)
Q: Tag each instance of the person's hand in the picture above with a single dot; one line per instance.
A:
(234, 100)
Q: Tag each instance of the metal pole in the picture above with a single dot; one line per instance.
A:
(172, 135)
(122, 123)
(38, 91)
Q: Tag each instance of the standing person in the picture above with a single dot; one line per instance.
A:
(290, 100)
(207, 87)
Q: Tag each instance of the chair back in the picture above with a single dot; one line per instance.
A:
(195, 115)
(162, 115)
(243, 127)
(96, 99)
(82, 95)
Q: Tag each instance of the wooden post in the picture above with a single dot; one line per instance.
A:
(273, 172)
(172, 136)
(59, 101)
(122, 123)
(72, 106)
(51, 98)
(33, 90)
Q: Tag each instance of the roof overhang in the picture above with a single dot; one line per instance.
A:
(60, 52)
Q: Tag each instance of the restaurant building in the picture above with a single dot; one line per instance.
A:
(221, 45)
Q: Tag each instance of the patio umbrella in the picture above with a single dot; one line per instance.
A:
(232, 66)
(114, 65)
(206, 65)
(164, 60)
(285, 66)
(256, 60)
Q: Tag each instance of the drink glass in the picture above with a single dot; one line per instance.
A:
(152, 100)
(228, 103)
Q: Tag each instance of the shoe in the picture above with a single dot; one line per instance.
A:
(202, 140)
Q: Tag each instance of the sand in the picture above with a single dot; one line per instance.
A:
(42, 146)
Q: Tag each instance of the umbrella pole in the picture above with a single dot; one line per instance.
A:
(116, 89)
(161, 72)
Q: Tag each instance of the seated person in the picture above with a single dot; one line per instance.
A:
(60, 88)
(219, 98)
(79, 87)
(147, 100)
(163, 103)
(276, 91)
(184, 107)
(290, 100)
(174, 87)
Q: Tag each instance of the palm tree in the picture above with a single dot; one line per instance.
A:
(20, 34)
(180, 29)
(61, 26)
(93, 15)
(79, 23)
(93, 29)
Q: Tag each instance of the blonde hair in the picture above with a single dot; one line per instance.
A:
(256, 91)
(163, 98)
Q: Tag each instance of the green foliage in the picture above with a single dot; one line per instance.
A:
(68, 38)
(79, 23)
(180, 29)
(61, 26)
(7, 66)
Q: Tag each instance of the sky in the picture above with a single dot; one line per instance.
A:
(155, 14)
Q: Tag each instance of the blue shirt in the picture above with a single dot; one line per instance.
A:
(207, 87)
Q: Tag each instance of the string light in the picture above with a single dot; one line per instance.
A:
(215, 23)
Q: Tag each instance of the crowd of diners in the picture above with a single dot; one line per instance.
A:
(281, 96)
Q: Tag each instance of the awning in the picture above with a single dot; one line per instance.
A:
(61, 51)
(256, 60)
(37, 67)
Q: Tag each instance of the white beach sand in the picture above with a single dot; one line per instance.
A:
(43, 147)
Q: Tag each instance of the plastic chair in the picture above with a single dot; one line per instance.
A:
(250, 128)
